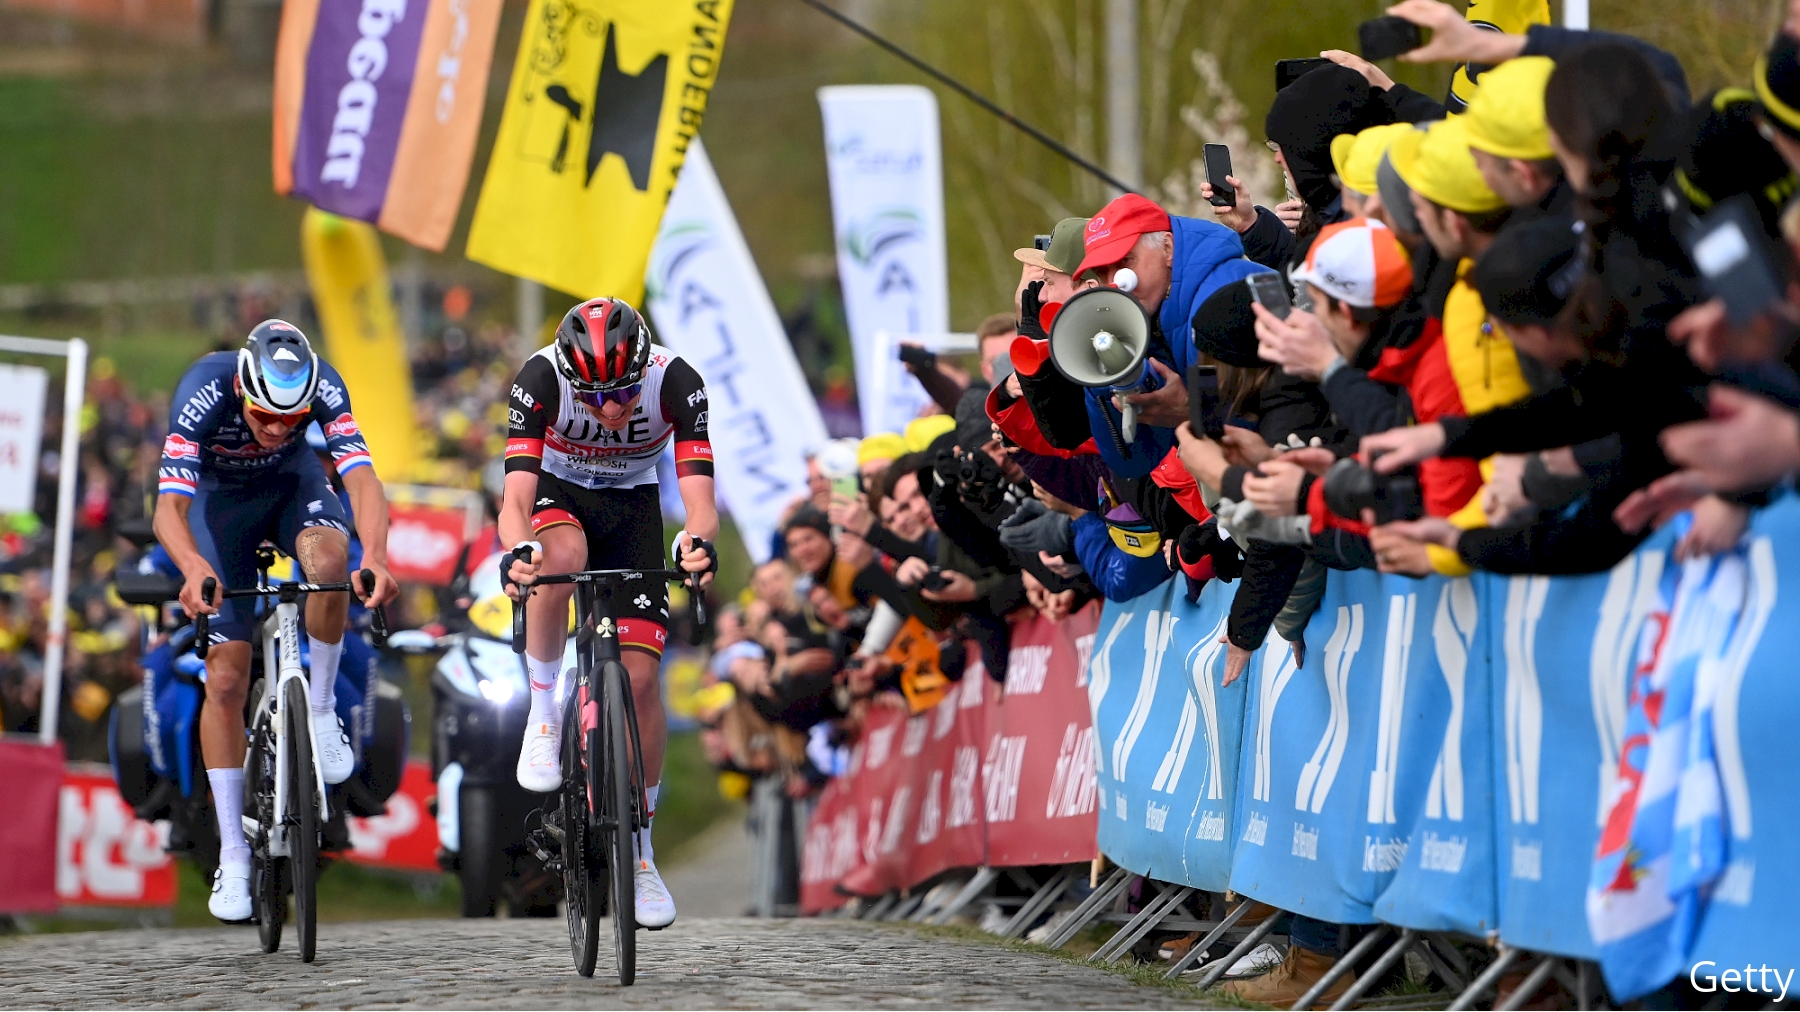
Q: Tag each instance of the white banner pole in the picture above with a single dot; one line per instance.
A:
(74, 392)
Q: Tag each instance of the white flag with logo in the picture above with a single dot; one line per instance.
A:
(887, 208)
(709, 304)
(21, 435)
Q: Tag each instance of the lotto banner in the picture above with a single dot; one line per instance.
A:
(106, 855)
(377, 104)
(710, 305)
(605, 100)
(349, 279)
(1167, 735)
(21, 435)
(883, 158)
(1039, 775)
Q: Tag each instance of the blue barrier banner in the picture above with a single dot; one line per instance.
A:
(1324, 801)
(1447, 870)
(1167, 735)
(1751, 918)
(1562, 659)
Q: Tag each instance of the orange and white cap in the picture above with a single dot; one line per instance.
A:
(1359, 262)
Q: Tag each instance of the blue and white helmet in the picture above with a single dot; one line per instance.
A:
(277, 370)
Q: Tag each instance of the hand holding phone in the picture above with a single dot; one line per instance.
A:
(1388, 36)
(1218, 166)
(1269, 291)
(1206, 413)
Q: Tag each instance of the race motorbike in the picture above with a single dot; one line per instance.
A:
(480, 695)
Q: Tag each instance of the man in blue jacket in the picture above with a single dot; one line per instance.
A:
(1178, 262)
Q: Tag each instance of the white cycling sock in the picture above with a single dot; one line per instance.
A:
(228, 803)
(647, 853)
(324, 658)
(543, 690)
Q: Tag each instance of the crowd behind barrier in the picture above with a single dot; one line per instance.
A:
(1449, 757)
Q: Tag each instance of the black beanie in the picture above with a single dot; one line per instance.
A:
(1723, 155)
(1777, 78)
(1225, 327)
(1528, 273)
(1307, 114)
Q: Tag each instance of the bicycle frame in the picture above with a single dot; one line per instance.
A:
(281, 640)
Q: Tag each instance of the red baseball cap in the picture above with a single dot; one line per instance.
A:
(1112, 232)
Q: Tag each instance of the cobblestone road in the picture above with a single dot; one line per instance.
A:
(698, 963)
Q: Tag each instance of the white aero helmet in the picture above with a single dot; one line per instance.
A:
(277, 370)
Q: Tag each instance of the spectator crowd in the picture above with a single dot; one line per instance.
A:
(1514, 331)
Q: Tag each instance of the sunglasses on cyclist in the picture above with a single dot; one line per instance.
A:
(622, 396)
(263, 417)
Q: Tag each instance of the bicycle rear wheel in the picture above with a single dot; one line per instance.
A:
(618, 815)
(303, 815)
(583, 887)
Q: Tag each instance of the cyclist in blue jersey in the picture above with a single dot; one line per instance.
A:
(236, 471)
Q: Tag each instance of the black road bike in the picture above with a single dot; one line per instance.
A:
(588, 832)
(286, 801)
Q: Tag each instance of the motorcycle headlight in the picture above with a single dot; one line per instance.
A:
(496, 692)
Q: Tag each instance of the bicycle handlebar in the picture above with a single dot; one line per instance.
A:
(695, 594)
(209, 589)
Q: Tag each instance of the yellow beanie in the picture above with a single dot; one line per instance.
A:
(1506, 115)
(880, 446)
(1356, 156)
(1439, 166)
(921, 431)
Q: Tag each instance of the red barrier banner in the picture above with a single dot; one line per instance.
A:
(991, 775)
(406, 838)
(105, 854)
(30, 782)
(1039, 765)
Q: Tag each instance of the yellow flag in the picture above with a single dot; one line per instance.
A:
(1509, 16)
(363, 341)
(605, 99)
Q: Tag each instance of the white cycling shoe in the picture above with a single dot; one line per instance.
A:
(230, 899)
(655, 907)
(540, 757)
(337, 760)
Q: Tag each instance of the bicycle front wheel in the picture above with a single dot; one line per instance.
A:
(620, 792)
(268, 895)
(302, 815)
(584, 887)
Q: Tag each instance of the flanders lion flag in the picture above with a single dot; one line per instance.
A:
(606, 96)
(1509, 16)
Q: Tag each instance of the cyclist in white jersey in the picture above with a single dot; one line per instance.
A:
(590, 418)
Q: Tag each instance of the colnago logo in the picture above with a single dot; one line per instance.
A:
(342, 425)
(356, 100)
(178, 448)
